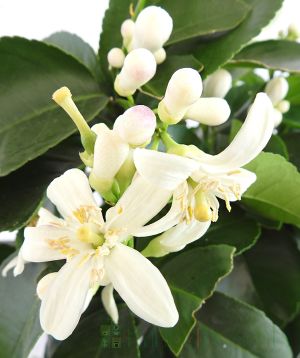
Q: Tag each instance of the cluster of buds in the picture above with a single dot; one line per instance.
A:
(277, 89)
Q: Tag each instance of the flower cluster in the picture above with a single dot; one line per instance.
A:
(137, 179)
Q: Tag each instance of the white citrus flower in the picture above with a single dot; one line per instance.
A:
(210, 177)
(96, 254)
(217, 84)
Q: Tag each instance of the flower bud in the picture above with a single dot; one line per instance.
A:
(184, 89)
(127, 29)
(136, 126)
(139, 67)
(277, 117)
(115, 57)
(283, 106)
(217, 84)
(209, 111)
(293, 32)
(152, 29)
(160, 55)
(277, 89)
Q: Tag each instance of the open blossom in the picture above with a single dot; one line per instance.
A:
(96, 255)
(209, 177)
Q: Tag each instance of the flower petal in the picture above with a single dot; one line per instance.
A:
(176, 238)
(17, 263)
(141, 285)
(163, 169)
(64, 300)
(109, 303)
(44, 283)
(249, 141)
(70, 192)
(139, 204)
(47, 218)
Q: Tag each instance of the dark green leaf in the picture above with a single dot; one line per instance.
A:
(153, 345)
(5, 251)
(97, 336)
(274, 265)
(31, 122)
(19, 312)
(217, 52)
(275, 194)
(292, 141)
(277, 146)
(292, 332)
(230, 328)
(192, 276)
(274, 54)
(22, 191)
(75, 46)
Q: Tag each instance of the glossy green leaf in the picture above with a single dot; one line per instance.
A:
(97, 336)
(22, 191)
(153, 345)
(200, 17)
(19, 312)
(274, 265)
(234, 229)
(216, 53)
(275, 194)
(30, 121)
(192, 276)
(230, 328)
(75, 46)
(292, 332)
(274, 54)
(277, 146)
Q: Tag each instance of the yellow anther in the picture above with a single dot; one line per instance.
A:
(202, 211)
(81, 215)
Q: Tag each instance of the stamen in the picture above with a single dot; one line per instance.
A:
(202, 209)
(86, 234)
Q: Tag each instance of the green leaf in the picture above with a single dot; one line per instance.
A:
(274, 54)
(293, 146)
(231, 328)
(30, 122)
(75, 46)
(97, 336)
(5, 251)
(153, 345)
(274, 265)
(19, 312)
(22, 191)
(292, 332)
(158, 84)
(234, 229)
(277, 146)
(192, 277)
(293, 95)
(275, 194)
(216, 53)
(201, 17)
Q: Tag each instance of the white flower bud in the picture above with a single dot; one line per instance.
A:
(127, 29)
(139, 67)
(283, 106)
(160, 55)
(277, 117)
(152, 29)
(116, 57)
(184, 89)
(209, 111)
(136, 126)
(217, 84)
(277, 89)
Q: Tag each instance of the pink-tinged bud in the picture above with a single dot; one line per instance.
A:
(152, 29)
(218, 84)
(139, 67)
(277, 89)
(184, 89)
(136, 126)
(116, 57)
(160, 55)
(209, 111)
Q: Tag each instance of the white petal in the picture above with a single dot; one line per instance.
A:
(47, 218)
(64, 300)
(44, 283)
(141, 285)
(138, 205)
(69, 192)
(162, 169)
(176, 238)
(249, 141)
(109, 303)
(17, 263)
(171, 218)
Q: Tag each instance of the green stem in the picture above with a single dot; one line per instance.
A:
(131, 101)
(155, 142)
(168, 141)
(139, 7)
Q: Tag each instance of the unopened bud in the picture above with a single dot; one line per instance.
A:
(184, 89)
(209, 111)
(63, 98)
(116, 57)
(136, 126)
(277, 117)
(139, 67)
(283, 106)
(218, 84)
(152, 29)
(277, 89)
(127, 29)
(160, 55)
(293, 32)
